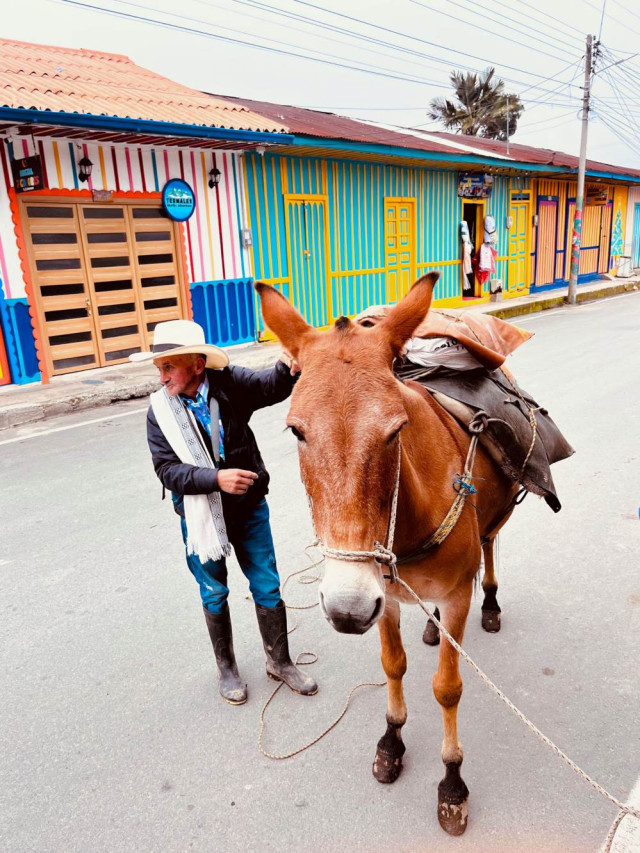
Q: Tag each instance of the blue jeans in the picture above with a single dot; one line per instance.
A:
(253, 544)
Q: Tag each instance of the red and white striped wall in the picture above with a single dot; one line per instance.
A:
(214, 247)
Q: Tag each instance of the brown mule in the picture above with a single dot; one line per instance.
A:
(355, 423)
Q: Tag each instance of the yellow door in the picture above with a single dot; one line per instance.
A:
(399, 241)
(518, 264)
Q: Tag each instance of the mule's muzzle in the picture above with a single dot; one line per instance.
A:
(347, 622)
(351, 596)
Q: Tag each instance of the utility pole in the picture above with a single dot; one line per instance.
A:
(576, 239)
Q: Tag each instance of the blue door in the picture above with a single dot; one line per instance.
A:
(635, 252)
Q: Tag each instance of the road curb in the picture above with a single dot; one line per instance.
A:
(508, 311)
(257, 358)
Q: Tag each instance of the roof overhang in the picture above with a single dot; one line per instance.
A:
(436, 159)
(118, 129)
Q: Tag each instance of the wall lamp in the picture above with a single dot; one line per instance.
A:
(214, 177)
(85, 167)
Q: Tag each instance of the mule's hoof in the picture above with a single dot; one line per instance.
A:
(453, 818)
(386, 768)
(431, 635)
(491, 621)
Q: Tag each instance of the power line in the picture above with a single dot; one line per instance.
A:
(504, 17)
(314, 22)
(484, 29)
(413, 37)
(604, 6)
(251, 44)
(529, 28)
(547, 15)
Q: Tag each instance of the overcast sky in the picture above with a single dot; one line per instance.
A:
(244, 47)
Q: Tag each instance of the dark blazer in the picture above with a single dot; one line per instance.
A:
(239, 393)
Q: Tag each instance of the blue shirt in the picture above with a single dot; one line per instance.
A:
(200, 408)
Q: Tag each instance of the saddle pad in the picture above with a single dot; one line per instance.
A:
(508, 437)
(489, 339)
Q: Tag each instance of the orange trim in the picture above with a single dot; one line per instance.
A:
(182, 231)
(117, 194)
(28, 284)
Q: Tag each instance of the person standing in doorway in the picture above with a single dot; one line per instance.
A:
(205, 453)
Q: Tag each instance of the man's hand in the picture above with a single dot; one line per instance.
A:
(235, 481)
(289, 360)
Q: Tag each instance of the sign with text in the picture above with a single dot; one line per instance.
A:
(27, 174)
(178, 200)
(474, 185)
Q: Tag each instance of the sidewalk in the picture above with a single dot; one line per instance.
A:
(22, 404)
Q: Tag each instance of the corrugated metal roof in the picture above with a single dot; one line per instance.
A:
(42, 77)
(323, 125)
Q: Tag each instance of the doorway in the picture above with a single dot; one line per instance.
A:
(473, 215)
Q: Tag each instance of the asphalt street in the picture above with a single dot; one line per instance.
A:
(112, 732)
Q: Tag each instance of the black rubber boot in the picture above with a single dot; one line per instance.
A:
(272, 622)
(232, 689)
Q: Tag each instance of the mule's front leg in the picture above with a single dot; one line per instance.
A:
(388, 761)
(453, 794)
(490, 606)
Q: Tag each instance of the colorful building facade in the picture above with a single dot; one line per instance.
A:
(335, 213)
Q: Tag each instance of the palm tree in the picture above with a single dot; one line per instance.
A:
(480, 108)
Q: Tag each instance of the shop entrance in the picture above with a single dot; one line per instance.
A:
(473, 215)
(103, 275)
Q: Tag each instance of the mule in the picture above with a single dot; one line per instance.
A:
(359, 429)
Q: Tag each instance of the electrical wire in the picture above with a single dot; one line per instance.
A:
(532, 46)
(547, 15)
(412, 36)
(256, 4)
(526, 32)
(265, 48)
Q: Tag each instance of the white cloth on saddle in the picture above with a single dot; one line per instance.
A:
(206, 529)
(440, 352)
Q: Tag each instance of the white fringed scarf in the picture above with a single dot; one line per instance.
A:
(206, 530)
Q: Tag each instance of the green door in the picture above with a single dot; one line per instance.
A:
(307, 254)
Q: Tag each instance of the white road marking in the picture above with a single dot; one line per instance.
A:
(627, 837)
(72, 426)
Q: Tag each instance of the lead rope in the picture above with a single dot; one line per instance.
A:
(624, 809)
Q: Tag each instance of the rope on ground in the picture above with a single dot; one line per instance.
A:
(622, 807)
(329, 727)
(306, 579)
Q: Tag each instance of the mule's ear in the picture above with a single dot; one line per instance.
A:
(282, 318)
(401, 322)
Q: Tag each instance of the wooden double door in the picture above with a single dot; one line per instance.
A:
(103, 276)
(399, 241)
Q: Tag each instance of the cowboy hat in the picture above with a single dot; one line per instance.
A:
(182, 337)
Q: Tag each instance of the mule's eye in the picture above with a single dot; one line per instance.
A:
(297, 433)
(394, 434)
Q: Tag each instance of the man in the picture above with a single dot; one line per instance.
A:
(205, 453)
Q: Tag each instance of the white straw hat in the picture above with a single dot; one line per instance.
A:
(181, 337)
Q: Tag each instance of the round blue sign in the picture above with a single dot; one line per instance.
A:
(178, 200)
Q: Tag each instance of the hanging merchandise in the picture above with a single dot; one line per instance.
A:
(467, 248)
(489, 229)
(485, 262)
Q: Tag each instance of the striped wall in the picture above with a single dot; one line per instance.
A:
(354, 193)
(212, 235)
(551, 247)
(631, 233)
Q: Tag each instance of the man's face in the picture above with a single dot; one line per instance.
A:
(180, 374)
